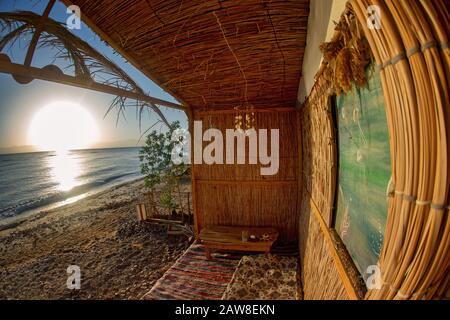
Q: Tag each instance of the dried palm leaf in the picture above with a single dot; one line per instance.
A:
(87, 62)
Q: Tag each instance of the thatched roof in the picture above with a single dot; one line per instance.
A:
(209, 54)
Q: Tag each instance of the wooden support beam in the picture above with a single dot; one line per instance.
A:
(49, 74)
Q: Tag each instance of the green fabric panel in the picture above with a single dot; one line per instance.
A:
(364, 172)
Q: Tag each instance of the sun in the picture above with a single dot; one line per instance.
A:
(62, 126)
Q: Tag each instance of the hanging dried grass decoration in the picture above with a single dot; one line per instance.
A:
(238, 119)
(245, 120)
(347, 54)
(361, 55)
(358, 68)
(249, 116)
(343, 71)
(344, 30)
(363, 49)
(250, 120)
(330, 50)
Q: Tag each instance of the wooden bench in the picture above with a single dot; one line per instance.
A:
(230, 238)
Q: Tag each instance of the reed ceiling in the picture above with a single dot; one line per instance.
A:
(210, 54)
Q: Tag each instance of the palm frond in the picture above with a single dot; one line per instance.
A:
(86, 61)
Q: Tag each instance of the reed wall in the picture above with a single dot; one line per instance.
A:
(326, 272)
(238, 195)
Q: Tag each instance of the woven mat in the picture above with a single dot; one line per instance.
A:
(194, 277)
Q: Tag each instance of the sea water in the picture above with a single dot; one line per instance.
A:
(31, 181)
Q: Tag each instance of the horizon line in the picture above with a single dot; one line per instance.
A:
(45, 151)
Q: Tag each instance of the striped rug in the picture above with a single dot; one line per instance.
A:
(194, 277)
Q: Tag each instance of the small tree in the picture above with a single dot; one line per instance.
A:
(157, 166)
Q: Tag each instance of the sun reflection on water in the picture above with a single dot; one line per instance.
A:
(65, 168)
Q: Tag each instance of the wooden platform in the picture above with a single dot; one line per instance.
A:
(230, 238)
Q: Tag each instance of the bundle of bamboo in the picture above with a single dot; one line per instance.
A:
(412, 52)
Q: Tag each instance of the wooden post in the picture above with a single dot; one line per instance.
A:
(151, 199)
(189, 203)
(197, 223)
(141, 212)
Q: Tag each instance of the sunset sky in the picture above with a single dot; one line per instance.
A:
(20, 103)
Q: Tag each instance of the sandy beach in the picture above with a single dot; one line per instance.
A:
(119, 257)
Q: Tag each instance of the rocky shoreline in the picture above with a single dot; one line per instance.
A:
(119, 258)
